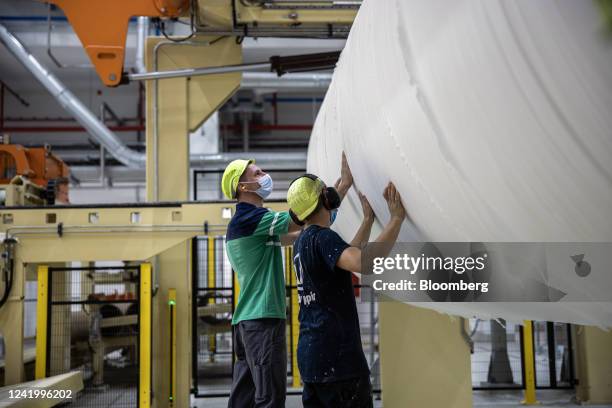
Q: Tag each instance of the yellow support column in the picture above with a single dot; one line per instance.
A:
(176, 107)
(594, 365)
(295, 324)
(41, 322)
(144, 398)
(11, 327)
(529, 364)
(424, 359)
(211, 274)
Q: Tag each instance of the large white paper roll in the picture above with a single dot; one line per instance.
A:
(494, 120)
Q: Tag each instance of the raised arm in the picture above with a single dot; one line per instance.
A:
(351, 257)
(389, 234)
(344, 183)
(363, 233)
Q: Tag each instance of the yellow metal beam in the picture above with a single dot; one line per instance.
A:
(11, 326)
(145, 336)
(529, 364)
(174, 107)
(66, 385)
(41, 322)
(99, 234)
(219, 14)
(291, 17)
(594, 365)
(211, 273)
(424, 359)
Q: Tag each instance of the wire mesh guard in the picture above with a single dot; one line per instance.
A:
(498, 362)
(93, 326)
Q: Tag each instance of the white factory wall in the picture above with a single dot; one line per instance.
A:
(293, 109)
(108, 195)
(123, 101)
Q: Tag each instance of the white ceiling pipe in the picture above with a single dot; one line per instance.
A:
(216, 160)
(141, 37)
(269, 80)
(71, 103)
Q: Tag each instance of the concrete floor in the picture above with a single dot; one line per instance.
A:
(501, 399)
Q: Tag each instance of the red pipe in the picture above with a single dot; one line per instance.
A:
(272, 127)
(140, 128)
(57, 119)
(281, 127)
(51, 129)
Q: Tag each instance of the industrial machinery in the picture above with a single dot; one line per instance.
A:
(89, 327)
(102, 26)
(32, 176)
(88, 317)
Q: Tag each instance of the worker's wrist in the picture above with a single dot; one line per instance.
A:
(344, 185)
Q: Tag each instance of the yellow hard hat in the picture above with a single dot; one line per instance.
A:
(304, 194)
(231, 176)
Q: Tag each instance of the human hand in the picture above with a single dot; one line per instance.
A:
(346, 177)
(368, 213)
(394, 202)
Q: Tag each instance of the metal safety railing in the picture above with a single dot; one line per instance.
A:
(97, 320)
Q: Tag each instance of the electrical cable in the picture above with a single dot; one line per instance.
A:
(8, 272)
(161, 26)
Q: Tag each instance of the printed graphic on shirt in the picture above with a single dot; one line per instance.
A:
(304, 299)
(329, 346)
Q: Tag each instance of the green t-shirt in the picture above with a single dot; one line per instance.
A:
(254, 250)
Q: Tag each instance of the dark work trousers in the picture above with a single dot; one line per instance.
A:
(260, 371)
(352, 393)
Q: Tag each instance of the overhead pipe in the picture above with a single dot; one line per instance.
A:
(72, 129)
(281, 65)
(205, 160)
(71, 103)
(190, 72)
(142, 32)
(123, 176)
(270, 80)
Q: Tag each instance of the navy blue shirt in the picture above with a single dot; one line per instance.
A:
(329, 347)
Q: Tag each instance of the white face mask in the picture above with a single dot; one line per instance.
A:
(266, 184)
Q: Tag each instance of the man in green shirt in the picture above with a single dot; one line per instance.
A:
(254, 237)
